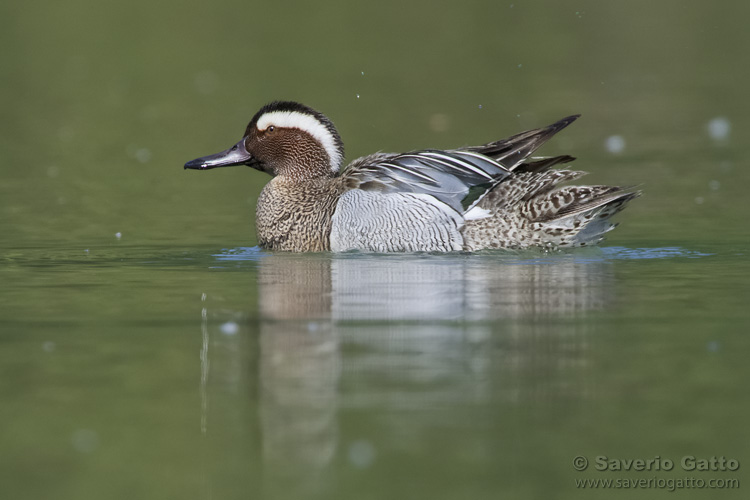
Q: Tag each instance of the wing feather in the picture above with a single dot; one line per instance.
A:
(460, 178)
(457, 178)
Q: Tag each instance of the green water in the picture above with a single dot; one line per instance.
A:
(149, 350)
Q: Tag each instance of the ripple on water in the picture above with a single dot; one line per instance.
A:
(241, 254)
(623, 253)
(256, 253)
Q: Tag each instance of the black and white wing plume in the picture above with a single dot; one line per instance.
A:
(458, 178)
(421, 201)
(513, 151)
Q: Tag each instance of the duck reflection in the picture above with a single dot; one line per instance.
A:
(404, 336)
(299, 373)
(349, 332)
(358, 287)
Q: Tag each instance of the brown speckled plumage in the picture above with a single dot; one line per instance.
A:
(529, 209)
(489, 196)
(296, 216)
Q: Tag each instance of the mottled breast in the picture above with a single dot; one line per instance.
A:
(394, 222)
(296, 217)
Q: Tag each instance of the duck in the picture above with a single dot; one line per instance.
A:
(493, 196)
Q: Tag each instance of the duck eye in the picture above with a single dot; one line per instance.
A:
(270, 129)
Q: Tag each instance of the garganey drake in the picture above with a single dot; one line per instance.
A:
(466, 199)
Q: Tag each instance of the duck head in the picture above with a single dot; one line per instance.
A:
(284, 138)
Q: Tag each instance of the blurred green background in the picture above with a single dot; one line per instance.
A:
(106, 390)
(104, 102)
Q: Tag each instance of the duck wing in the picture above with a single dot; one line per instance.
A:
(457, 178)
(460, 177)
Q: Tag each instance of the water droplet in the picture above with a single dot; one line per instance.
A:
(719, 128)
(85, 440)
(439, 122)
(53, 171)
(520, 65)
(143, 155)
(361, 454)
(66, 133)
(206, 82)
(118, 235)
(363, 73)
(714, 185)
(713, 346)
(699, 200)
(230, 328)
(48, 346)
(615, 144)
(357, 96)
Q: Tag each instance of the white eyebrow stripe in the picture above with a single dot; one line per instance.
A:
(306, 123)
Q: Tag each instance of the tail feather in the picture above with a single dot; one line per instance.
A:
(530, 209)
(525, 187)
(540, 164)
(585, 219)
(569, 200)
(514, 150)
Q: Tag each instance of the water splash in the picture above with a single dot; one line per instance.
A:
(623, 253)
(241, 254)
(510, 257)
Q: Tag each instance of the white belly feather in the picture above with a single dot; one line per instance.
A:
(394, 222)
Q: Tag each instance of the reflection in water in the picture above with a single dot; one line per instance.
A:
(463, 288)
(299, 376)
(357, 287)
(356, 332)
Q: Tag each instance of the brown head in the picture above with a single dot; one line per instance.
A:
(286, 139)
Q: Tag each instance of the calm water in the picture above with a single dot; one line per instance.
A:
(149, 350)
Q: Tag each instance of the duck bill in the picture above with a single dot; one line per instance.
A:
(236, 155)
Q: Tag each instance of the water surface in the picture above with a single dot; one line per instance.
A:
(148, 348)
